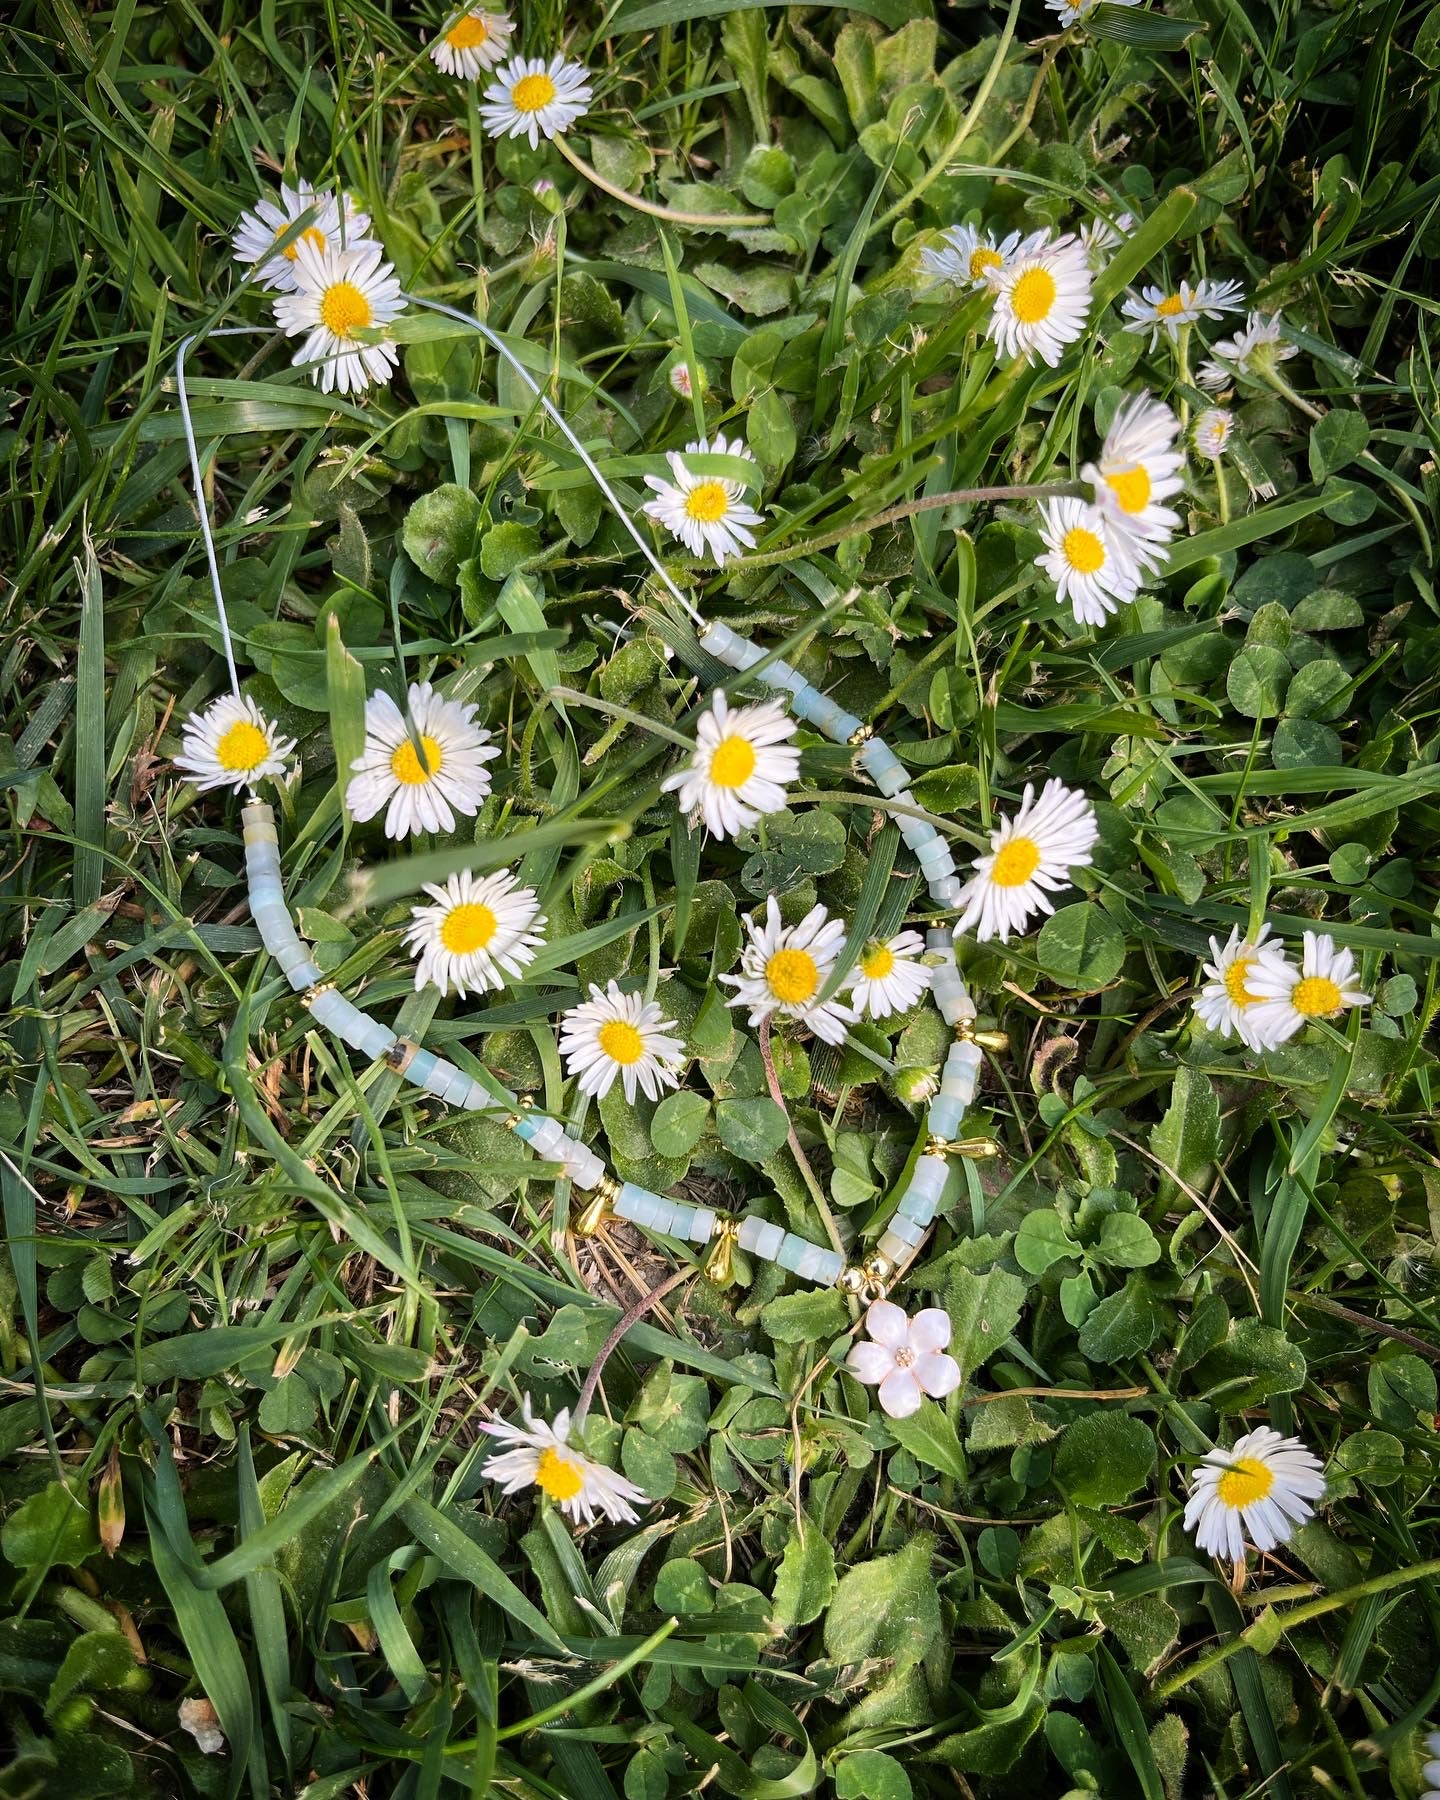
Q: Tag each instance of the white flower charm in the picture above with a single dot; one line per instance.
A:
(708, 513)
(784, 967)
(974, 258)
(389, 774)
(337, 293)
(472, 42)
(1072, 12)
(1287, 998)
(1252, 353)
(1212, 431)
(614, 1034)
(1226, 1005)
(532, 98)
(1262, 1488)
(1031, 856)
(1089, 558)
(889, 977)
(1138, 468)
(543, 1458)
(1042, 299)
(231, 744)
(480, 932)
(261, 228)
(740, 766)
(906, 1358)
(1160, 310)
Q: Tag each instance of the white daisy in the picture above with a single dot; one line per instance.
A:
(1093, 564)
(1287, 998)
(420, 795)
(1137, 469)
(974, 258)
(1158, 310)
(906, 1358)
(1042, 298)
(785, 966)
(260, 228)
(1100, 236)
(888, 977)
(1226, 1004)
(1430, 1774)
(1029, 855)
(481, 931)
(1071, 13)
(1253, 352)
(740, 765)
(1212, 431)
(1261, 1488)
(532, 98)
(680, 380)
(338, 293)
(706, 512)
(472, 42)
(231, 744)
(543, 1458)
(614, 1034)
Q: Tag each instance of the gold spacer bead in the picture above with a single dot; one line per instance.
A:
(977, 1149)
(878, 1267)
(965, 1033)
(936, 1146)
(312, 994)
(861, 735)
(720, 1259)
(850, 1280)
(597, 1209)
(401, 1054)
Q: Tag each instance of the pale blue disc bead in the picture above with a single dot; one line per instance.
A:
(304, 974)
(947, 891)
(929, 1175)
(702, 1226)
(893, 1247)
(882, 765)
(916, 831)
(724, 645)
(940, 941)
(375, 1040)
(908, 1230)
(920, 1207)
(945, 1115)
(417, 1070)
(780, 674)
(760, 1237)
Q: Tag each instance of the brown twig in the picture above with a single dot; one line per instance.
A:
(628, 1318)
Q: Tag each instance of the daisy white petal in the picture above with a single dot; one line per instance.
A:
(1158, 309)
(1071, 12)
(1212, 431)
(532, 98)
(1030, 857)
(231, 744)
(1139, 467)
(1100, 237)
(613, 1034)
(740, 767)
(1251, 354)
(1092, 562)
(1286, 999)
(480, 931)
(708, 513)
(543, 1457)
(889, 977)
(971, 257)
(1226, 1004)
(783, 969)
(389, 774)
(338, 293)
(472, 42)
(1042, 299)
(1261, 1489)
(330, 223)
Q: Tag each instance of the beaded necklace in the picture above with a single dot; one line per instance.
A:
(601, 1195)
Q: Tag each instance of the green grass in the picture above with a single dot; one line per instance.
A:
(258, 1300)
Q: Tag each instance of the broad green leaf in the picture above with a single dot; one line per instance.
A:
(1104, 1458)
(929, 1435)
(805, 1581)
(984, 1310)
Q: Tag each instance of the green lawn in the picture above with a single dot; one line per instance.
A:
(261, 1294)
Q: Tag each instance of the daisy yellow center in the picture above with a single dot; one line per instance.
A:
(243, 747)
(1316, 997)
(312, 234)
(1235, 989)
(557, 1476)
(621, 1042)
(878, 962)
(1131, 488)
(1015, 862)
(468, 34)
(982, 259)
(1033, 296)
(531, 93)
(707, 503)
(792, 977)
(407, 768)
(467, 929)
(1244, 1483)
(1170, 305)
(343, 309)
(1083, 550)
(733, 763)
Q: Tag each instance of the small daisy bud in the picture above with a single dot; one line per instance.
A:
(916, 1086)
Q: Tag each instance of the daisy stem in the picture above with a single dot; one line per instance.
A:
(628, 1318)
(907, 509)
(705, 221)
(574, 697)
(1299, 1615)
(1222, 491)
(802, 1162)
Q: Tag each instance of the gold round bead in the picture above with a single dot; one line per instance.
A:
(850, 1280)
(861, 735)
(878, 1267)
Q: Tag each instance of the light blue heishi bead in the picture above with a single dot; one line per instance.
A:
(304, 974)
(375, 1040)
(722, 643)
(908, 1230)
(792, 1250)
(702, 1226)
(892, 1247)
(780, 674)
(882, 765)
(761, 1238)
(682, 1217)
(821, 1265)
(945, 1116)
(419, 1067)
(935, 855)
(918, 1207)
(526, 1126)
(916, 831)
(929, 1176)
(947, 890)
